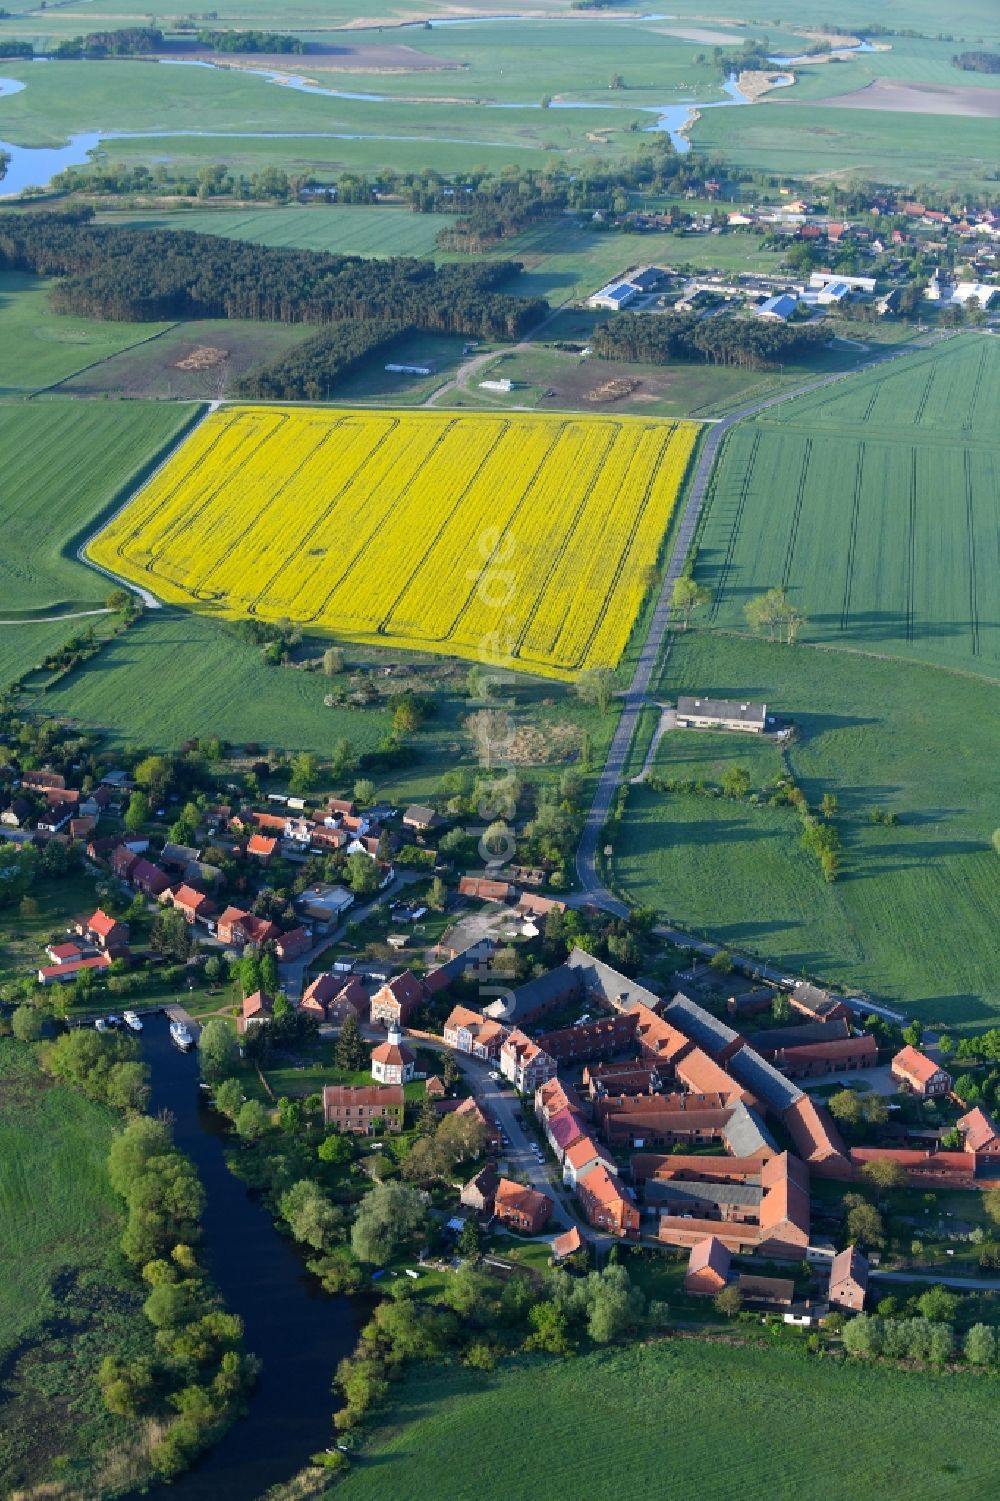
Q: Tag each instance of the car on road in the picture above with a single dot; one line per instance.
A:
(494, 1075)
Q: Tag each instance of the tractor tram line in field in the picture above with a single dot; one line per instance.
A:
(409, 497)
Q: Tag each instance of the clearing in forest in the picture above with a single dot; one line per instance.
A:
(470, 534)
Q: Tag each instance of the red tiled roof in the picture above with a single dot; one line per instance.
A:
(260, 844)
(978, 1129)
(564, 1245)
(101, 923)
(915, 1065)
(709, 1255)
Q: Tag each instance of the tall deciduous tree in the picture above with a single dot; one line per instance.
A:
(687, 597)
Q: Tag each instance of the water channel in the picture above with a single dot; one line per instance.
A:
(297, 1330)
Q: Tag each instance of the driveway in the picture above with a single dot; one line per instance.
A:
(878, 1080)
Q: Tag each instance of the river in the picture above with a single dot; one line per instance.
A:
(35, 166)
(297, 1331)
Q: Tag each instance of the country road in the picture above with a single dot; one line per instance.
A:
(635, 696)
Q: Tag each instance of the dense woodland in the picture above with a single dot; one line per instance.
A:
(311, 371)
(251, 41)
(126, 274)
(748, 342)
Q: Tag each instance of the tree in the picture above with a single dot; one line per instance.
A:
(154, 775)
(781, 1007)
(946, 1045)
(388, 1218)
(362, 874)
(995, 839)
(251, 1120)
(991, 1204)
(721, 962)
(729, 1301)
(937, 1303)
(913, 1035)
(468, 1240)
(171, 935)
(335, 1150)
(250, 972)
(596, 686)
(490, 731)
(351, 1052)
(550, 1330)
(864, 1223)
(118, 599)
(333, 661)
(229, 1097)
(27, 1023)
(862, 1335)
(344, 759)
(310, 1216)
(688, 596)
(884, 1173)
(736, 781)
(131, 1150)
(218, 1053)
(269, 977)
(828, 804)
(981, 1345)
(137, 813)
(845, 1106)
(437, 895)
(364, 791)
(305, 772)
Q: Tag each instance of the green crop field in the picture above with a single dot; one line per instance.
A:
(39, 347)
(63, 464)
(64, 1301)
(362, 229)
(914, 915)
(683, 1418)
(877, 505)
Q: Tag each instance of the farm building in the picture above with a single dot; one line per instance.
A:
(721, 714)
(779, 308)
(848, 1280)
(707, 1269)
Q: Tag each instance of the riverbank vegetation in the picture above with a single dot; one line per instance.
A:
(120, 1362)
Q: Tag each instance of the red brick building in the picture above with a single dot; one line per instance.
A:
(363, 1109)
(520, 1208)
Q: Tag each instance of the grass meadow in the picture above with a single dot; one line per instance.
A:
(682, 1417)
(39, 348)
(876, 504)
(64, 464)
(914, 915)
(65, 1298)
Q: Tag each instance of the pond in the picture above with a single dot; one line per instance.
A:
(297, 1331)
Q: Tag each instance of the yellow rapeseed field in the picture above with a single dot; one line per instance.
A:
(481, 535)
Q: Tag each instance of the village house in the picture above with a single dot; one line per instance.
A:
(237, 928)
(293, 944)
(55, 817)
(563, 1129)
(707, 1268)
(397, 1000)
(468, 1032)
(325, 905)
(148, 878)
(721, 714)
(631, 1077)
(582, 1157)
(605, 1203)
(521, 1209)
(766, 1292)
(420, 818)
(69, 969)
(848, 1280)
(363, 1109)
(193, 905)
(63, 953)
(392, 1061)
(435, 1087)
(915, 1072)
(104, 932)
(524, 1063)
(980, 1137)
(256, 1008)
(479, 1192)
(482, 889)
(597, 1039)
(18, 815)
(261, 847)
(38, 781)
(531, 905)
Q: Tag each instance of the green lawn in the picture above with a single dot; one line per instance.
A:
(64, 464)
(39, 347)
(876, 503)
(719, 1421)
(913, 917)
(65, 1298)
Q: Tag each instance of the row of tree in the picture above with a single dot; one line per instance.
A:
(124, 273)
(310, 371)
(751, 343)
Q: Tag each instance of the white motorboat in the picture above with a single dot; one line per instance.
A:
(181, 1036)
(132, 1021)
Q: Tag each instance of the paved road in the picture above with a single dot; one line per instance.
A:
(635, 698)
(500, 1103)
(293, 973)
(965, 1284)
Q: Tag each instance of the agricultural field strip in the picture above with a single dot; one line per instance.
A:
(912, 510)
(300, 513)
